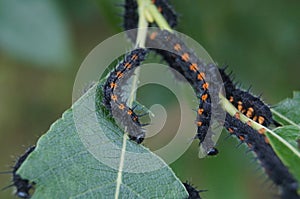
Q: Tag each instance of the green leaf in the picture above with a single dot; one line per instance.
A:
(287, 112)
(63, 165)
(288, 154)
(290, 133)
(35, 31)
(284, 139)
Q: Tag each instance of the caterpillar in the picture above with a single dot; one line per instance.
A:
(181, 64)
(130, 16)
(167, 11)
(274, 167)
(193, 192)
(256, 110)
(253, 107)
(246, 103)
(23, 186)
(113, 95)
(194, 71)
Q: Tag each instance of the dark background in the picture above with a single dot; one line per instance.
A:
(42, 44)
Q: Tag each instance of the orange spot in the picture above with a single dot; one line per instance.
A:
(119, 74)
(129, 112)
(121, 106)
(267, 140)
(134, 57)
(230, 130)
(204, 97)
(153, 1)
(153, 35)
(249, 112)
(177, 47)
(194, 67)
(261, 119)
(243, 111)
(249, 145)
(127, 65)
(185, 57)
(199, 123)
(240, 107)
(249, 123)
(135, 118)
(113, 85)
(159, 9)
(237, 115)
(201, 76)
(205, 86)
(262, 131)
(255, 118)
(200, 111)
(114, 97)
(231, 99)
(241, 138)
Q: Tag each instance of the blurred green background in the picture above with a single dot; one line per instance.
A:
(42, 44)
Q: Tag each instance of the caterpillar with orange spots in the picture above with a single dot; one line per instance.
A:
(187, 64)
(256, 110)
(253, 107)
(167, 11)
(183, 60)
(274, 167)
(246, 103)
(113, 99)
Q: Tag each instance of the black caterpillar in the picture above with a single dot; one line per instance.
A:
(167, 11)
(193, 192)
(274, 167)
(253, 107)
(23, 186)
(246, 103)
(184, 61)
(113, 95)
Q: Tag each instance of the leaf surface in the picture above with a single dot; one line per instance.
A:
(78, 158)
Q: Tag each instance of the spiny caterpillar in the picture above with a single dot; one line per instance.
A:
(23, 186)
(181, 64)
(130, 15)
(167, 11)
(246, 103)
(274, 167)
(113, 95)
(186, 63)
(193, 192)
